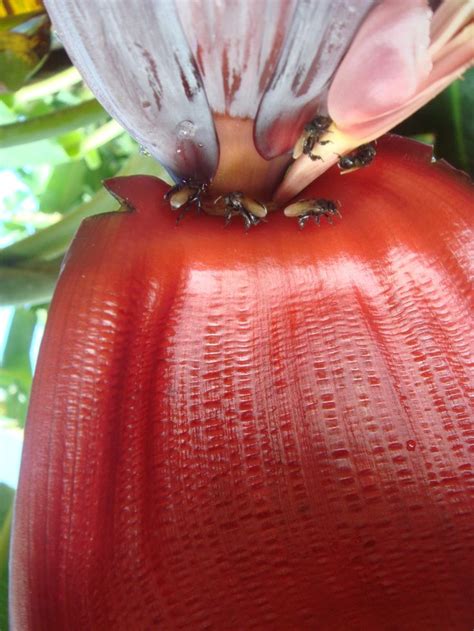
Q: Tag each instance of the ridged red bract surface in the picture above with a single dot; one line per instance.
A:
(262, 430)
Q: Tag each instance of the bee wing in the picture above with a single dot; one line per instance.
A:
(256, 208)
(180, 197)
(298, 148)
(299, 208)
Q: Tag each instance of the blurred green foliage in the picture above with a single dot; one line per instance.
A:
(47, 186)
(449, 120)
(16, 370)
(24, 40)
(6, 506)
(57, 145)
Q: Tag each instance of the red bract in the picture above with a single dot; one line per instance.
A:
(262, 430)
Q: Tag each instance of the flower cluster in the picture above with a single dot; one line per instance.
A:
(221, 92)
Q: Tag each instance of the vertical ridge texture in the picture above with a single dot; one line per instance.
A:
(263, 430)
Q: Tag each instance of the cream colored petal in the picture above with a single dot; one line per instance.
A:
(448, 19)
(303, 171)
(457, 58)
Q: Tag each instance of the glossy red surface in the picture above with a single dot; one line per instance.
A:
(262, 430)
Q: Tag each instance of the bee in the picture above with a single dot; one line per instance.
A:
(186, 194)
(312, 133)
(304, 209)
(236, 203)
(359, 158)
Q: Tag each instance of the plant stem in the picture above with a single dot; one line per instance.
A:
(101, 136)
(53, 124)
(41, 89)
(54, 239)
(21, 285)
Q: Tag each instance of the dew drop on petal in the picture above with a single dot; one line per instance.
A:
(146, 96)
(411, 445)
(185, 130)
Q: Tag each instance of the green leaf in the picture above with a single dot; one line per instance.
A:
(6, 498)
(6, 509)
(23, 285)
(449, 117)
(54, 240)
(7, 115)
(17, 349)
(16, 364)
(93, 159)
(461, 145)
(24, 45)
(12, 8)
(72, 143)
(64, 187)
(34, 153)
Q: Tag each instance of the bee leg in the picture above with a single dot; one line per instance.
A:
(302, 219)
(229, 213)
(247, 221)
(183, 212)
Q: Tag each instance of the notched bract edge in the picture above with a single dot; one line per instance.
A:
(125, 204)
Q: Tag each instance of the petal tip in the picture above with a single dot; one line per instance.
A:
(130, 190)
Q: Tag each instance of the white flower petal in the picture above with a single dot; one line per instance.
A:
(135, 58)
(236, 46)
(318, 37)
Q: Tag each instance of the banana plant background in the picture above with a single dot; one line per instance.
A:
(57, 145)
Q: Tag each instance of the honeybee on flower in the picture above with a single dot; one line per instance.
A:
(220, 92)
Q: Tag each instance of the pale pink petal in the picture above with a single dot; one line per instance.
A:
(458, 52)
(315, 43)
(448, 19)
(385, 65)
(457, 58)
(135, 58)
(236, 46)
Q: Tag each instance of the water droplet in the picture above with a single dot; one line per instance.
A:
(411, 445)
(144, 151)
(178, 150)
(185, 130)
